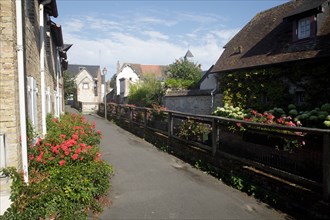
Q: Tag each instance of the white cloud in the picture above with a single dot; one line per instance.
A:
(98, 41)
(154, 21)
(156, 35)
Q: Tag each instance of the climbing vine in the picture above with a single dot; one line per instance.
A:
(266, 88)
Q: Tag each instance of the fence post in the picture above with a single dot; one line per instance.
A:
(326, 166)
(214, 136)
(118, 112)
(145, 118)
(169, 125)
(130, 117)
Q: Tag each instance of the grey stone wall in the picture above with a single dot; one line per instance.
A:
(195, 102)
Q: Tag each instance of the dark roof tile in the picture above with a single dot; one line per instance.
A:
(74, 69)
(267, 39)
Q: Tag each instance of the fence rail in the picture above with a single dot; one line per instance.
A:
(298, 154)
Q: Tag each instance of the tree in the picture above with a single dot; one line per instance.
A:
(113, 81)
(146, 93)
(183, 74)
(70, 87)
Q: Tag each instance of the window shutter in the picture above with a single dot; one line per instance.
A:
(295, 30)
(30, 11)
(47, 41)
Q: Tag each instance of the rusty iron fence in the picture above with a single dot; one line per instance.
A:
(297, 154)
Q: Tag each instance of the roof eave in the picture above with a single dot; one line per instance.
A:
(51, 9)
(57, 34)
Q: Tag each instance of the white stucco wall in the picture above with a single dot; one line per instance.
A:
(128, 74)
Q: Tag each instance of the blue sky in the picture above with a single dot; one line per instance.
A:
(152, 32)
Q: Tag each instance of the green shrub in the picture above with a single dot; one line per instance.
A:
(192, 130)
(326, 107)
(291, 107)
(67, 177)
(146, 93)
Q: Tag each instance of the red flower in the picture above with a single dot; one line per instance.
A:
(51, 158)
(290, 123)
(98, 132)
(75, 137)
(63, 136)
(270, 117)
(254, 112)
(74, 157)
(67, 152)
(38, 141)
(31, 156)
(54, 120)
(62, 162)
(78, 150)
(40, 156)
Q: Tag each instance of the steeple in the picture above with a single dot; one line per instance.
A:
(189, 56)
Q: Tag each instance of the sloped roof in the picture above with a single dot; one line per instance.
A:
(267, 38)
(74, 69)
(159, 71)
(188, 55)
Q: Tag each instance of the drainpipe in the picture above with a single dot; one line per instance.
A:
(21, 87)
(58, 67)
(212, 97)
(42, 65)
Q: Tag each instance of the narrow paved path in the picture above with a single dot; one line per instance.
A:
(151, 184)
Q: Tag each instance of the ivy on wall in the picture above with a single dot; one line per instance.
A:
(266, 88)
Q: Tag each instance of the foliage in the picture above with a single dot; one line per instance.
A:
(190, 129)
(183, 74)
(317, 117)
(113, 81)
(146, 93)
(67, 177)
(264, 88)
(70, 87)
(257, 89)
(230, 112)
(157, 111)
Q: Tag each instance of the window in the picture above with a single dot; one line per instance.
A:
(304, 28)
(32, 100)
(300, 97)
(85, 86)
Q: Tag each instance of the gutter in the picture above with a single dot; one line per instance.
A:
(21, 88)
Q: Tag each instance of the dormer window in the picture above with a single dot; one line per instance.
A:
(304, 28)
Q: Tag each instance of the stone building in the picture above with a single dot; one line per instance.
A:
(280, 57)
(90, 86)
(32, 58)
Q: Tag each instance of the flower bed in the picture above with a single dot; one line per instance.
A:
(67, 177)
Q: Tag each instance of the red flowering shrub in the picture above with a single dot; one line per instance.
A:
(70, 139)
(269, 118)
(67, 177)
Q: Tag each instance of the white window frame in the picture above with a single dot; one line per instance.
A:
(304, 28)
(85, 86)
(32, 101)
